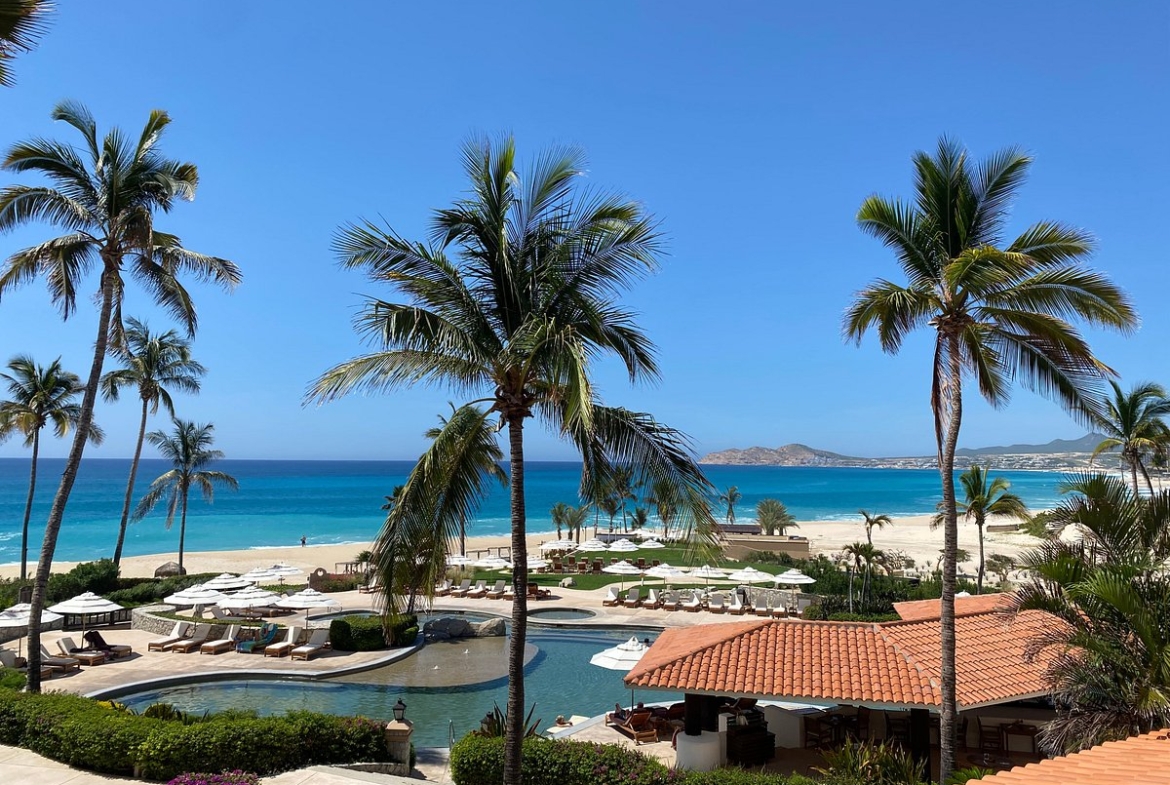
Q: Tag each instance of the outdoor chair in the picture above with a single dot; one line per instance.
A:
(444, 588)
(633, 597)
(762, 609)
(641, 564)
(497, 592)
(266, 636)
(638, 726)
(990, 738)
(652, 600)
(898, 729)
(715, 604)
(557, 565)
(737, 607)
(198, 637)
(112, 650)
(535, 592)
(462, 589)
(64, 663)
(779, 612)
(509, 592)
(163, 644)
(9, 660)
(817, 734)
(582, 567)
(693, 604)
(670, 601)
(597, 565)
(370, 586)
(224, 644)
(478, 592)
(87, 656)
(318, 642)
(281, 648)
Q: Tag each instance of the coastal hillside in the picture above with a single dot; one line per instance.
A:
(1056, 455)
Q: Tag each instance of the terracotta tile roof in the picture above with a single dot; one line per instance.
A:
(1144, 759)
(889, 664)
(920, 610)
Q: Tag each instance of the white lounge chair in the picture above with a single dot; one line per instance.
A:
(652, 599)
(762, 609)
(285, 646)
(669, 601)
(611, 598)
(87, 656)
(633, 597)
(200, 636)
(64, 663)
(497, 593)
(444, 588)
(163, 644)
(715, 604)
(693, 604)
(318, 642)
(479, 591)
(226, 643)
(462, 589)
(736, 608)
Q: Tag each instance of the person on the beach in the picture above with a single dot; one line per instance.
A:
(303, 541)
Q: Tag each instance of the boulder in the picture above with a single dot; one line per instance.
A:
(492, 628)
(444, 628)
(169, 570)
(568, 583)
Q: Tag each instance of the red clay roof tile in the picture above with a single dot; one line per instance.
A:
(1144, 759)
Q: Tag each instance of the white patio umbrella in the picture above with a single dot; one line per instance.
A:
(306, 599)
(592, 546)
(198, 594)
(534, 563)
(707, 572)
(225, 581)
(623, 546)
(85, 605)
(794, 577)
(751, 575)
(491, 563)
(558, 545)
(260, 575)
(651, 544)
(249, 598)
(665, 571)
(19, 615)
(622, 568)
(622, 657)
(459, 561)
(285, 569)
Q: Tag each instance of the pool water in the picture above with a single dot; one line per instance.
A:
(448, 687)
(560, 614)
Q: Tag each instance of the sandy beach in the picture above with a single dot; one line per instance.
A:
(910, 535)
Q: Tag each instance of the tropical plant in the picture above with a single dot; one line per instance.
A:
(153, 364)
(557, 514)
(983, 496)
(624, 488)
(662, 496)
(730, 498)
(873, 764)
(104, 197)
(520, 311)
(188, 449)
(39, 395)
(494, 725)
(774, 517)
(996, 313)
(22, 22)
(576, 518)
(862, 556)
(874, 522)
(1133, 422)
(1000, 565)
(610, 506)
(639, 518)
(1110, 666)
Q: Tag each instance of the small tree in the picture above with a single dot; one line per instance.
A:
(731, 497)
(874, 522)
(774, 517)
(558, 513)
(1000, 565)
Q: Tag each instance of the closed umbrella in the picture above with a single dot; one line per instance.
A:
(622, 568)
(622, 657)
(85, 605)
(19, 615)
(227, 582)
(196, 595)
(306, 599)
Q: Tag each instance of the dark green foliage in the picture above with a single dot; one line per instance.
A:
(963, 776)
(478, 760)
(226, 778)
(738, 777)
(872, 764)
(100, 737)
(401, 630)
(493, 725)
(11, 679)
(99, 577)
(357, 633)
(337, 583)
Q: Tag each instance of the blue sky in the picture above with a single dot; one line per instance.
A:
(753, 131)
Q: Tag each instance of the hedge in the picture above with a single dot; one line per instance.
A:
(370, 633)
(104, 737)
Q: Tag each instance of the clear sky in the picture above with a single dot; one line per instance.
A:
(753, 131)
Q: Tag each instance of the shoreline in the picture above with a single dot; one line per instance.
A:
(910, 535)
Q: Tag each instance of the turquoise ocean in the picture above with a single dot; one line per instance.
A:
(340, 501)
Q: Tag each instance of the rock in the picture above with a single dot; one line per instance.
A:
(492, 628)
(446, 627)
(169, 569)
(568, 583)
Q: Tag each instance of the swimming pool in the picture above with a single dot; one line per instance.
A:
(447, 686)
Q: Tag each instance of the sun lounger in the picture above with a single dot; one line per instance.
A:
(536, 592)
(715, 604)
(611, 598)
(779, 612)
(509, 592)
(200, 636)
(670, 601)
(638, 726)
(219, 614)
(763, 610)
(633, 597)
(224, 644)
(443, 589)
(498, 592)
(318, 642)
(8, 660)
(111, 650)
(736, 608)
(462, 589)
(478, 592)
(163, 644)
(64, 663)
(87, 656)
(283, 647)
(371, 586)
(652, 599)
(617, 715)
(266, 636)
(693, 604)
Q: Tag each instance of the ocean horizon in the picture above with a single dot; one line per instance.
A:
(337, 502)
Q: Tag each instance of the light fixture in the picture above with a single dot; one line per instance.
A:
(399, 710)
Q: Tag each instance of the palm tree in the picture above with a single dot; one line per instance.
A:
(1111, 672)
(774, 517)
(105, 197)
(188, 449)
(520, 311)
(151, 363)
(997, 313)
(609, 505)
(874, 522)
(863, 555)
(557, 513)
(731, 497)
(576, 518)
(39, 395)
(982, 497)
(624, 488)
(1133, 421)
(665, 506)
(22, 22)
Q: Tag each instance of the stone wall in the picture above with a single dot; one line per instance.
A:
(144, 619)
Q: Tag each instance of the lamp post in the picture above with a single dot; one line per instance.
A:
(399, 711)
(398, 732)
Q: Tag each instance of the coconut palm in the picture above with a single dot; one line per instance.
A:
(774, 517)
(104, 196)
(1111, 673)
(730, 498)
(610, 505)
(982, 497)
(39, 395)
(624, 488)
(519, 312)
(863, 556)
(153, 364)
(22, 22)
(665, 505)
(997, 313)
(874, 522)
(557, 513)
(576, 518)
(188, 449)
(1133, 422)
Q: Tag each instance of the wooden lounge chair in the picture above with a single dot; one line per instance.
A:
(87, 656)
(715, 604)
(462, 589)
(224, 644)
(281, 648)
(219, 614)
(200, 636)
(163, 644)
(611, 598)
(478, 592)
(617, 715)
(497, 592)
(736, 608)
(443, 589)
(779, 612)
(111, 650)
(638, 726)
(693, 604)
(8, 660)
(266, 636)
(652, 600)
(670, 601)
(370, 586)
(763, 610)
(633, 597)
(318, 642)
(509, 592)
(64, 663)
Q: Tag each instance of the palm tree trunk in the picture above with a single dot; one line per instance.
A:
(462, 537)
(979, 576)
(130, 487)
(1146, 475)
(69, 476)
(948, 720)
(1133, 473)
(182, 531)
(514, 732)
(32, 488)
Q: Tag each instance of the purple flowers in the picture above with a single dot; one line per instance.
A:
(236, 777)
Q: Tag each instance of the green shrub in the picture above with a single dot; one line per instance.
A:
(338, 582)
(99, 577)
(742, 777)
(478, 760)
(236, 777)
(357, 633)
(402, 630)
(132, 592)
(11, 679)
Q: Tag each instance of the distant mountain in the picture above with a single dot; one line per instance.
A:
(1086, 443)
(1058, 454)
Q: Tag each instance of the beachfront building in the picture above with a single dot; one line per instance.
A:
(819, 683)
